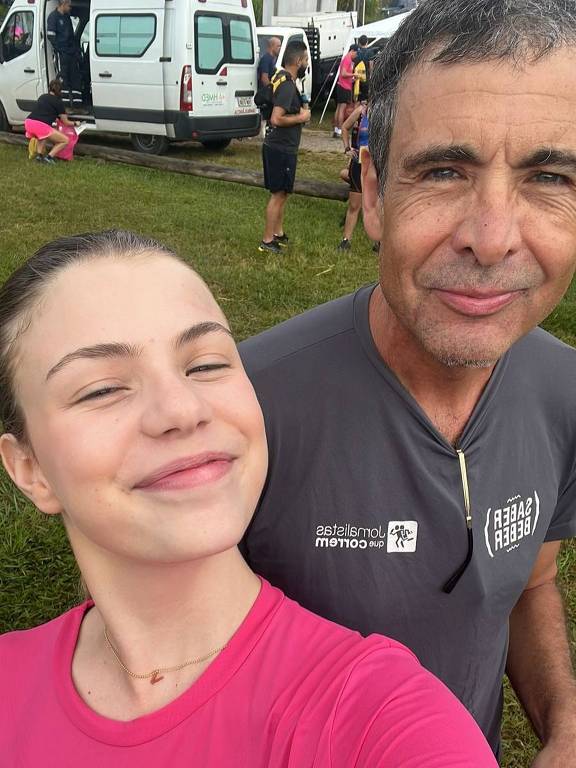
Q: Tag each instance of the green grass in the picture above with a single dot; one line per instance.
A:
(217, 226)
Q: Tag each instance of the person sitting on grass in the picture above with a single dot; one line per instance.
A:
(140, 428)
(39, 124)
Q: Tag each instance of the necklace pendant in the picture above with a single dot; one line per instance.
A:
(156, 677)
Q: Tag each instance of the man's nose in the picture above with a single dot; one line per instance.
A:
(490, 227)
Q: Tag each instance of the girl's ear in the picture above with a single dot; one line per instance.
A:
(23, 468)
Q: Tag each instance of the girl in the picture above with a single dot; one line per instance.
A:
(126, 410)
(48, 109)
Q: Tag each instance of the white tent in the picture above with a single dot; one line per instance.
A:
(378, 30)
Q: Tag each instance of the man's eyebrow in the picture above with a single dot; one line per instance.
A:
(548, 156)
(448, 153)
(117, 349)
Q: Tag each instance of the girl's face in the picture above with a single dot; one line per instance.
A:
(145, 431)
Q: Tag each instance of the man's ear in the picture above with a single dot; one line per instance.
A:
(371, 201)
(22, 466)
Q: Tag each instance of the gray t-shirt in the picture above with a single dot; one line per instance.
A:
(362, 519)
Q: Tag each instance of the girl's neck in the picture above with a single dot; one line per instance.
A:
(157, 616)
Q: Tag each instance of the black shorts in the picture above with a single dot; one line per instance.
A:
(343, 96)
(355, 176)
(279, 169)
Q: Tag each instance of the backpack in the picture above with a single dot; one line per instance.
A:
(264, 98)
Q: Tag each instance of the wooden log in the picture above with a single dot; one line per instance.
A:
(308, 187)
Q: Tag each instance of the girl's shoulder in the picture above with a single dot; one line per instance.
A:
(29, 646)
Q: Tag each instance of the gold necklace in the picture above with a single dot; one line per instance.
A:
(155, 676)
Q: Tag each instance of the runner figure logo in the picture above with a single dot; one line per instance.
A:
(402, 536)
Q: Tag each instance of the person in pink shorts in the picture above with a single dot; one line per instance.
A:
(39, 124)
(127, 412)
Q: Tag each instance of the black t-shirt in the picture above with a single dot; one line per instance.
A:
(48, 108)
(288, 97)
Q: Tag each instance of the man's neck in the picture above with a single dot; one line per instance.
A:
(447, 395)
(293, 70)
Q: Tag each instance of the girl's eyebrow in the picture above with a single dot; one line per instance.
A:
(109, 350)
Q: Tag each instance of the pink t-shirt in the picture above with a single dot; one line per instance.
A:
(346, 65)
(291, 690)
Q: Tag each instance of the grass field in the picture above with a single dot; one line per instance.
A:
(217, 226)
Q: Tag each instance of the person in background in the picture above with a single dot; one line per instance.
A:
(355, 141)
(280, 147)
(39, 124)
(60, 33)
(344, 88)
(267, 63)
(138, 426)
(362, 69)
(422, 430)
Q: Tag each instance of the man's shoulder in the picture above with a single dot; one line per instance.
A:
(302, 333)
(541, 354)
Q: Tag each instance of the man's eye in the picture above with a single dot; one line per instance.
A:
(442, 174)
(206, 368)
(547, 177)
(99, 393)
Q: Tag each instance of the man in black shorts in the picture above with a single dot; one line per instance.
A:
(280, 148)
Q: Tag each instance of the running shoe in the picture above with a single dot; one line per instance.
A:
(282, 240)
(376, 247)
(345, 244)
(50, 160)
(271, 247)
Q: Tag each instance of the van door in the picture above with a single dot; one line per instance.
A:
(305, 85)
(20, 73)
(225, 64)
(126, 52)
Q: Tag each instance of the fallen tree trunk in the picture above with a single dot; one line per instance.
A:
(308, 187)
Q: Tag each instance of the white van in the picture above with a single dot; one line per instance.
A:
(287, 35)
(160, 70)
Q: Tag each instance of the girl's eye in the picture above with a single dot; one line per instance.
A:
(206, 368)
(99, 393)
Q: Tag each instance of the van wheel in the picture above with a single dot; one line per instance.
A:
(150, 145)
(215, 144)
(4, 124)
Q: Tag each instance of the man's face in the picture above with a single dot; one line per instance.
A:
(66, 7)
(478, 219)
(275, 47)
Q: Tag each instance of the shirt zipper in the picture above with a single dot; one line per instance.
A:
(465, 489)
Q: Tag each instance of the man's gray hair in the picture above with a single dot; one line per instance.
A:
(467, 31)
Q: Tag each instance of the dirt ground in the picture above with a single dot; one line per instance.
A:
(312, 140)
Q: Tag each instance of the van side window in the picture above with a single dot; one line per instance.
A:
(209, 42)
(124, 35)
(241, 41)
(222, 38)
(18, 34)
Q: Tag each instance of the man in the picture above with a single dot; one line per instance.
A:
(61, 34)
(280, 148)
(423, 431)
(267, 63)
(344, 86)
